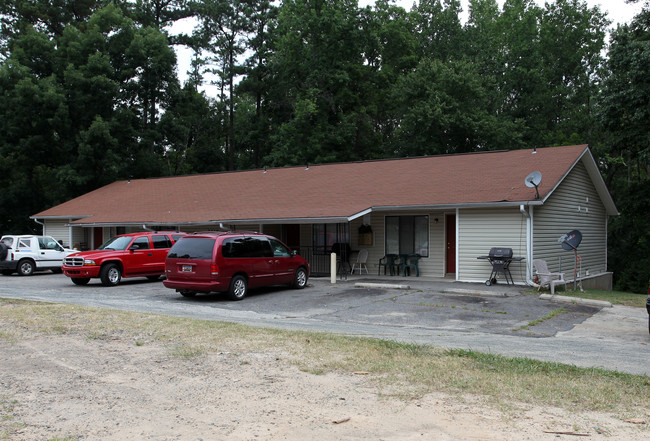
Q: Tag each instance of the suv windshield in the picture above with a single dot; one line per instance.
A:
(116, 243)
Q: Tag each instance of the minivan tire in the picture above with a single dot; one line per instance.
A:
(187, 293)
(238, 288)
(300, 280)
(110, 274)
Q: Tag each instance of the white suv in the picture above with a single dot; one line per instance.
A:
(26, 254)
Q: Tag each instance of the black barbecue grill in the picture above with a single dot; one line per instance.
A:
(500, 258)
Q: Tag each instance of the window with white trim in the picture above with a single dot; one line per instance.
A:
(407, 235)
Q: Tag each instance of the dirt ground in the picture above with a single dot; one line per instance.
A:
(71, 388)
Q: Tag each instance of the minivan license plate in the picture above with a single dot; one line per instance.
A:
(186, 268)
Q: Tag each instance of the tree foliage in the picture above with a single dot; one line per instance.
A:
(91, 93)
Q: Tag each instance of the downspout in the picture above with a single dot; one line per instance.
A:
(40, 223)
(529, 245)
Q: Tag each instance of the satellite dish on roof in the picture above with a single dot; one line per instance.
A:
(533, 180)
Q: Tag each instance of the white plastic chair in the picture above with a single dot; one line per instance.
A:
(547, 278)
(362, 257)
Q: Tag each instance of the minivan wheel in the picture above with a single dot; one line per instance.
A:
(187, 293)
(110, 274)
(300, 280)
(238, 288)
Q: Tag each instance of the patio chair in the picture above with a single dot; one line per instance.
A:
(388, 262)
(362, 257)
(411, 261)
(547, 278)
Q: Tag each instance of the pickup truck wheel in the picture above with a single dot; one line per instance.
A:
(110, 274)
(238, 288)
(300, 280)
(80, 281)
(25, 267)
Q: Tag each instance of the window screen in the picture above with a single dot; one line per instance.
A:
(407, 235)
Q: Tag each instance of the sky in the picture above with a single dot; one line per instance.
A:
(618, 11)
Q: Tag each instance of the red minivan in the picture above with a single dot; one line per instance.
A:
(232, 262)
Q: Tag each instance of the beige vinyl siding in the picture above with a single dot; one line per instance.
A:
(432, 266)
(482, 229)
(574, 205)
(59, 230)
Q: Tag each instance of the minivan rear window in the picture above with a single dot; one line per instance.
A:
(192, 248)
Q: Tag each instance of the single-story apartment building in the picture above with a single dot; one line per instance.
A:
(450, 209)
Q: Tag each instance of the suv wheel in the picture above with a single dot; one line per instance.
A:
(25, 267)
(238, 288)
(300, 280)
(110, 274)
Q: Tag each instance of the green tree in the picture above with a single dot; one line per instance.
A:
(438, 29)
(624, 153)
(222, 31)
(74, 110)
(445, 108)
(318, 78)
(254, 131)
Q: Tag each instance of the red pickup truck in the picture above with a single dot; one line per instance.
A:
(128, 255)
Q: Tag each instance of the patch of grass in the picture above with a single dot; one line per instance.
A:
(614, 297)
(8, 425)
(543, 319)
(397, 369)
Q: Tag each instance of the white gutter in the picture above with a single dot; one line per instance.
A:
(40, 223)
(529, 245)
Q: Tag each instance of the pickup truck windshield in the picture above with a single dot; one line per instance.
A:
(116, 243)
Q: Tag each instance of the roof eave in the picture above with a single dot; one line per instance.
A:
(500, 204)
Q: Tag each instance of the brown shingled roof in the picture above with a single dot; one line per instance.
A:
(329, 191)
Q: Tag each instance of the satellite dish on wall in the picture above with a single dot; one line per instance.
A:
(571, 240)
(533, 180)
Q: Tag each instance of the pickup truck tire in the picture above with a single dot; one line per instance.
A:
(3, 251)
(80, 281)
(26, 267)
(110, 274)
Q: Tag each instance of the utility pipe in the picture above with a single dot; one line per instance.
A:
(529, 246)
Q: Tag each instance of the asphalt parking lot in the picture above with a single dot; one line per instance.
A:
(499, 319)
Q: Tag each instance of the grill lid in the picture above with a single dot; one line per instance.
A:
(501, 253)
